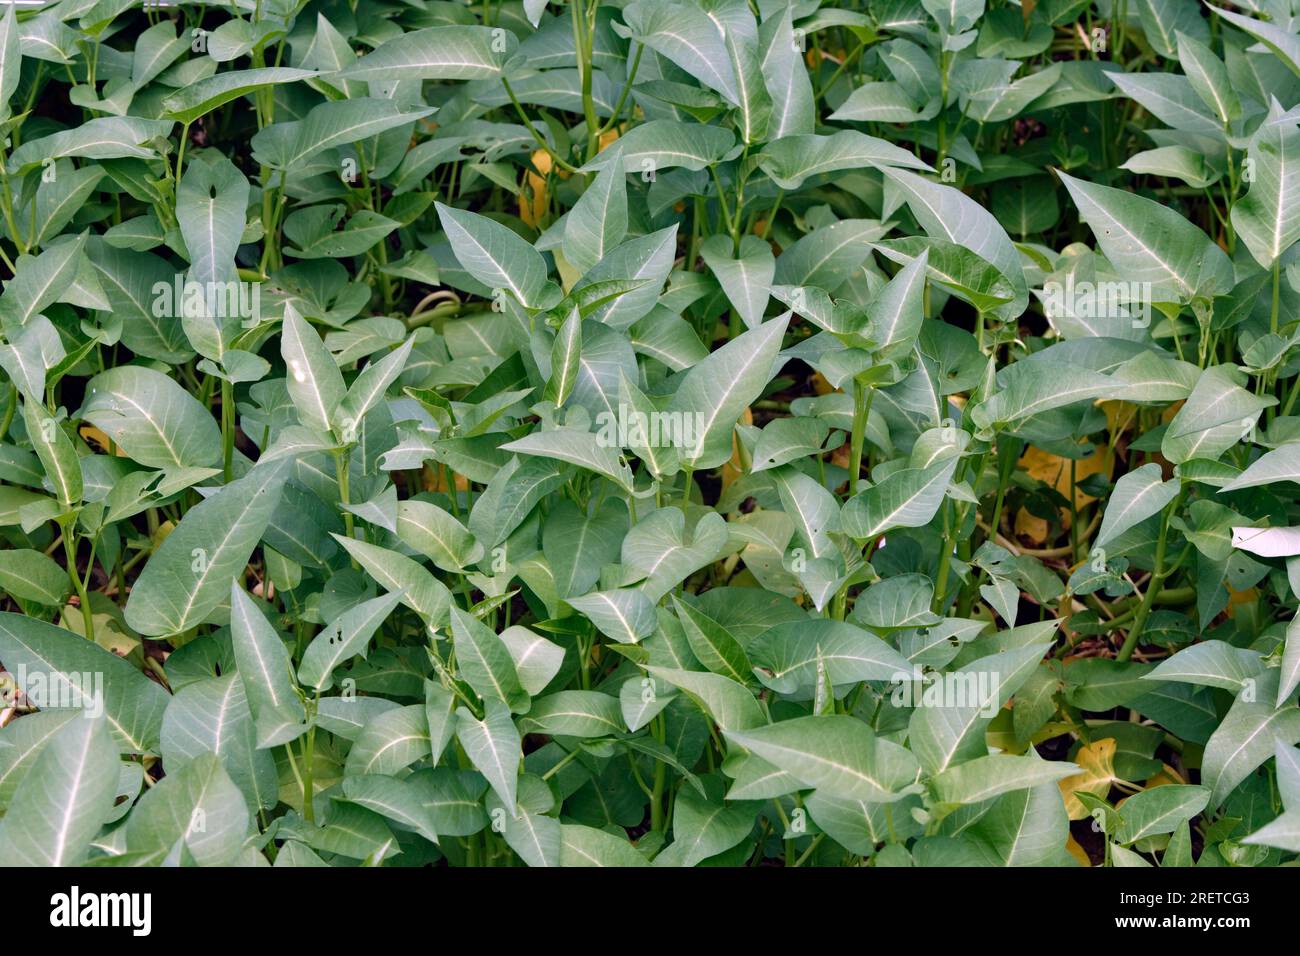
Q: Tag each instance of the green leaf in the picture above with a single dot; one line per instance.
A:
(664, 144)
(587, 846)
(493, 747)
(746, 278)
(790, 656)
(393, 798)
(32, 576)
(419, 590)
(314, 381)
(65, 669)
(484, 662)
(987, 777)
(689, 38)
(625, 615)
(343, 639)
(437, 53)
(190, 573)
(390, 742)
(213, 716)
(437, 535)
(64, 799)
(1210, 663)
(105, 137)
(584, 449)
(1267, 218)
(211, 202)
(1150, 242)
(196, 812)
(1246, 738)
(1159, 810)
(729, 704)
(10, 57)
(1280, 464)
(566, 356)
(839, 755)
(703, 828)
(266, 671)
(1218, 414)
(947, 213)
(1283, 44)
(1137, 496)
(907, 498)
(713, 645)
(598, 220)
(151, 418)
(574, 713)
(56, 452)
(792, 159)
(722, 386)
(495, 255)
(190, 102)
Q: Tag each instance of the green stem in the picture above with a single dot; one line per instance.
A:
(862, 398)
(627, 88)
(661, 775)
(70, 554)
(583, 40)
(227, 427)
(341, 462)
(309, 757)
(1153, 586)
(180, 153)
(555, 157)
(722, 201)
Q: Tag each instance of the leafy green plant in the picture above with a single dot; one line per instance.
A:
(662, 432)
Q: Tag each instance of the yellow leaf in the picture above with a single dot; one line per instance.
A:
(1118, 413)
(433, 479)
(161, 534)
(92, 434)
(736, 467)
(1054, 470)
(1166, 776)
(1097, 772)
(1238, 598)
(1079, 853)
(534, 198)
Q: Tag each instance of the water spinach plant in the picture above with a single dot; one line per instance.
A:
(650, 433)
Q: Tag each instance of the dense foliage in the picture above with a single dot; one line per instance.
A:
(673, 432)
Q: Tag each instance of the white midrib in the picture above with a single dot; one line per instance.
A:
(65, 820)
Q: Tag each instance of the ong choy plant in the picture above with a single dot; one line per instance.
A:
(653, 432)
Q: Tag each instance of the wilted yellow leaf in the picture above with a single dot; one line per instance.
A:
(1073, 848)
(1054, 470)
(433, 480)
(92, 434)
(1166, 776)
(1097, 772)
(1238, 598)
(1118, 413)
(534, 198)
(735, 468)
